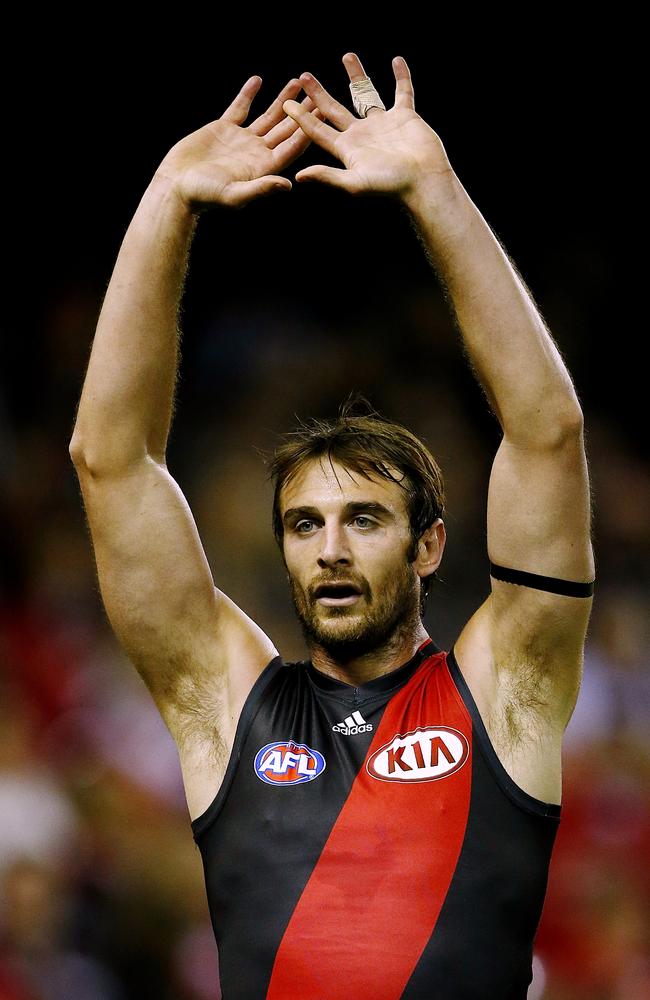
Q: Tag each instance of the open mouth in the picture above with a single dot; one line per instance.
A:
(339, 594)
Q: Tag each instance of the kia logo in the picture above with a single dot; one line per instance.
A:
(424, 755)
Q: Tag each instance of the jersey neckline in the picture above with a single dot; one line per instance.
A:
(377, 684)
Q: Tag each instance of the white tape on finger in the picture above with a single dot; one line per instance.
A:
(365, 97)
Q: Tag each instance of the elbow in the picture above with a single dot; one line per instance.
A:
(80, 457)
(559, 428)
(564, 431)
(94, 462)
(571, 425)
(75, 450)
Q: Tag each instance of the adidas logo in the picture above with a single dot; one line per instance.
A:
(354, 723)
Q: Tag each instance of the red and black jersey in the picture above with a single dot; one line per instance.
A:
(367, 842)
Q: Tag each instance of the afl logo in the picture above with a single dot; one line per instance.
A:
(423, 755)
(288, 763)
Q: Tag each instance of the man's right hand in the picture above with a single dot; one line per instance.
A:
(227, 163)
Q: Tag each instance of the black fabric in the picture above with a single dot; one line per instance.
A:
(505, 845)
(469, 947)
(555, 586)
(259, 844)
(259, 855)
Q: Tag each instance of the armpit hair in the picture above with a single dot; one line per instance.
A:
(193, 706)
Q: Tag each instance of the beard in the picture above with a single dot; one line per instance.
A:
(384, 617)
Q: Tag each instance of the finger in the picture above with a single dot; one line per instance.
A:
(353, 65)
(356, 71)
(238, 193)
(274, 112)
(286, 127)
(335, 112)
(333, 176)
(291, 148)
(404, 96)
(321, 133)
(237, 111)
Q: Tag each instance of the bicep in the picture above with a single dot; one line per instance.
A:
(539, 509)
(182, 634)
(539, 521)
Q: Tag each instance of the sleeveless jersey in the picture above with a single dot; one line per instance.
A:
(367, 842)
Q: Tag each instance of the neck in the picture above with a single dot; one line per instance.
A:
(360, 668)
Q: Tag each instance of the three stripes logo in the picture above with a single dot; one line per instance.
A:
(354, 723)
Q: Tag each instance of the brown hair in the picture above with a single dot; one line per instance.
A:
(362, 439)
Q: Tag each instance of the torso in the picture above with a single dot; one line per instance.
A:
(526, 742)
(330, 859)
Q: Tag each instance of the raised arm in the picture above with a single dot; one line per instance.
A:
(539, 515)
(538, 511)
(198, 653)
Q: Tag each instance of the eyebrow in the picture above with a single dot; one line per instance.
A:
(353, 507)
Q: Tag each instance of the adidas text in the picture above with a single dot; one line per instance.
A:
(353, 724)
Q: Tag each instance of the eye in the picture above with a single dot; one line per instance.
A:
(362, 517)
(300, 524)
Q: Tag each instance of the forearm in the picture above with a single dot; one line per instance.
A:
(126, 404)
(509, 347)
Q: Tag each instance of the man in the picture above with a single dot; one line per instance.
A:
(377, 821)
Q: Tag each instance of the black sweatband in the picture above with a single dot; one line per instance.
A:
(551, 583)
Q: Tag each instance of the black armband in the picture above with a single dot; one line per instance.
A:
(550, 583)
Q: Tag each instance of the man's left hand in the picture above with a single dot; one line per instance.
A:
(389, 152)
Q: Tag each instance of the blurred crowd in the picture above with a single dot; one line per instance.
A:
(101, 884)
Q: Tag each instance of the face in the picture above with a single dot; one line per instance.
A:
(355, 531)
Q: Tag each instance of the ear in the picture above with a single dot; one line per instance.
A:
(430, 548)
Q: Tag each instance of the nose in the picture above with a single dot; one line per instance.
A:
(334, 547)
